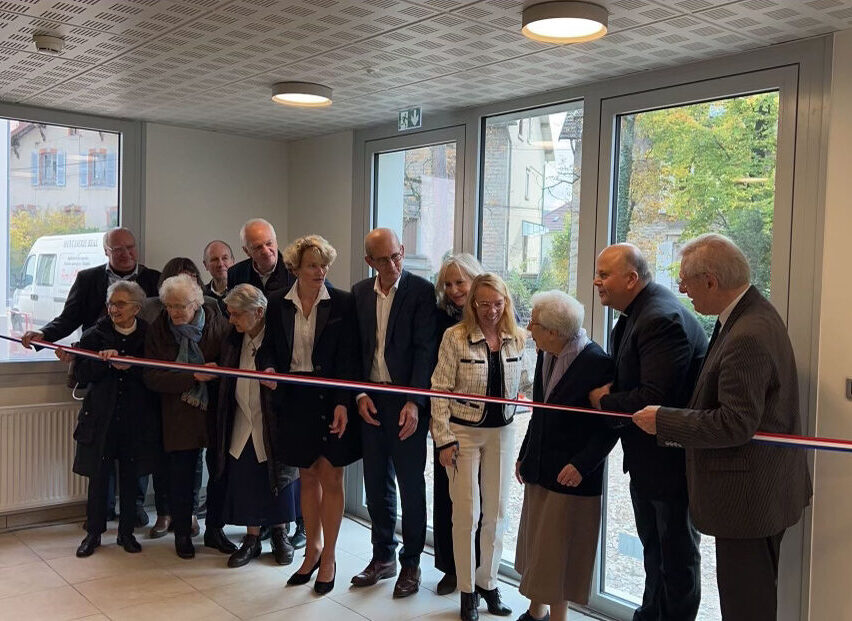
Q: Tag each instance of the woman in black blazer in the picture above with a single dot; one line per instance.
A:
(311, 329)
(561, 462)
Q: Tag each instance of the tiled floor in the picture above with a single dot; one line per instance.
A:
(40, 578)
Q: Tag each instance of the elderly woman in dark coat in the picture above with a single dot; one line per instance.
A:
(190, 331)
(561, 462)
(254, 480)
(119, 418)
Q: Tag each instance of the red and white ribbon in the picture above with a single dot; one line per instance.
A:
(779, 439)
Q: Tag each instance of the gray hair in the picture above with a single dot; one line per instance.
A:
(246, 297)
(115, 230)
(559, 312)
(182, 285)
(715, 254)
(136, 293)
(253, 222)
(293, 253)
(466, 263)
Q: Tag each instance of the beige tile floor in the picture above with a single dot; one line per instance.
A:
(40, 578)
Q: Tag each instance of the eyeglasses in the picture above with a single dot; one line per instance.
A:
(490, 305)
(119, 305)
(122, 249)
(396, 257)
(178, 307)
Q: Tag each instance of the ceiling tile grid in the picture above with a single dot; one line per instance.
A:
(210, 63)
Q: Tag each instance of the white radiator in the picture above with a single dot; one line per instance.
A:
(36, 455)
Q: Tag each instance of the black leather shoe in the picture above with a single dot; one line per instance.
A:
(142, 518)
(446, 585)
(184, 547)
(321, 587)
(88, 545)
(129, 543)
(375, 571)
(495, 604)
(215, 538)
(408, 582)
(469, 606)
(528, 617)
(249, 549)
(299, 537)
(282, 549)
(298, 578)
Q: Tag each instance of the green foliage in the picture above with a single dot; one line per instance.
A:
(27, 226)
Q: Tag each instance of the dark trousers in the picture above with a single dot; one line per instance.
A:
(181, 488)
(671, 557)
(96, 505)
(387, 457)
(442, 521)
(747, 575)
(215, 493)
(141, 490)
(161, 485)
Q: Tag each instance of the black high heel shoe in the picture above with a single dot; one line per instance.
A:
(321, 588)
(298, 578)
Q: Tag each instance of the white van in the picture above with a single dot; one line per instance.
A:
(48, 273)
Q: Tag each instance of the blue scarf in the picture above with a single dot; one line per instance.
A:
(188, 336)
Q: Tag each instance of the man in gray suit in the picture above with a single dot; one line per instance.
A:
(744, 494)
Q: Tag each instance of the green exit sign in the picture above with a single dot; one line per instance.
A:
(412, 118)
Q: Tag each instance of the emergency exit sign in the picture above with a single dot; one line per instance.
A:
(412, 118)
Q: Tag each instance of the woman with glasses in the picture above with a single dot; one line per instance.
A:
(452, 288)
(119, 419)
(311, 330)
(482, 355)
(189, 331)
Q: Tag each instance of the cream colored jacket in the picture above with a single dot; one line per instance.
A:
(463, 367)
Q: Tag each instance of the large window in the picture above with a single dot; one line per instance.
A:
(60, 193)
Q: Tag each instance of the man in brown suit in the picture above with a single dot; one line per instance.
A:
(744, 494)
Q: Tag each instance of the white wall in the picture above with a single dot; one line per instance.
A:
(203, 185)
(320, 197)
(831, 556)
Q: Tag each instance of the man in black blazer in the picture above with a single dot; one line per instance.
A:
(264, 268)
(658, 347)
(86, 303)
(399, 343)
(744, 494)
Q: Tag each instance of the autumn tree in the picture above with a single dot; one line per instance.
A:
(26, 226)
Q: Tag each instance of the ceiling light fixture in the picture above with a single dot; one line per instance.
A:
(303, 94)
(564, 22)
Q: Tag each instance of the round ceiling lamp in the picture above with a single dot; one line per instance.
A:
(303, 94)
(564, 22)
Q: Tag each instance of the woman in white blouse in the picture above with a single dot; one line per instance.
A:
(255, 481)
(311, 330)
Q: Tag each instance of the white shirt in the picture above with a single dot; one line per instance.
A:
(304, 330)
(248, 419)
(379, 371)
(725, 314)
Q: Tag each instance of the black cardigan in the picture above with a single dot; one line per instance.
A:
(555, 439)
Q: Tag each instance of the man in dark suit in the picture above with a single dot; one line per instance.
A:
(86, 303)
(397, 325)
(658, 347)
(264, 268)
(744, 494)
(218, 259)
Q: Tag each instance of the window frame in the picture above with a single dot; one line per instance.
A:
(130, 166)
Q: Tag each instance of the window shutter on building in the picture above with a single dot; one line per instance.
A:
(84, 170)
(111, 169)
(60, 168)
(34, 168)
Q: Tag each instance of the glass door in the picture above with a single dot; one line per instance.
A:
(415, 188)
(715, 157)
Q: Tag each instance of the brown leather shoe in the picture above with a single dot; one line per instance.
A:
(408, 582)
(375, 571)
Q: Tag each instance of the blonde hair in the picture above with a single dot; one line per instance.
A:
(507, 322)
(293, 253)
(466, 263)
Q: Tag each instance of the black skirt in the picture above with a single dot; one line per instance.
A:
(304, 434)
(249, 500)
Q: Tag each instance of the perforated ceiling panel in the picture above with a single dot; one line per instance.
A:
(211, 63)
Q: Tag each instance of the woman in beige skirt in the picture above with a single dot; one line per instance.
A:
(561, 462)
